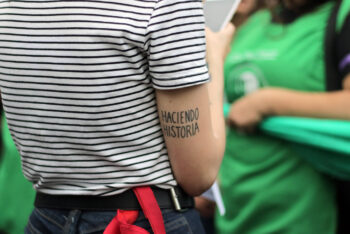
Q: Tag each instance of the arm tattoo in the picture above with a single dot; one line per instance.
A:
(182, 124)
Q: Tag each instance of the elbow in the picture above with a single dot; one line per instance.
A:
(199, 186)
(200, 176)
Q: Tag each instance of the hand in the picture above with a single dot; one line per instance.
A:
(246, 113)
(218, 46)
(218, 43)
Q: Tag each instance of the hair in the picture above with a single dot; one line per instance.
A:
(239, 19)
(283, 14)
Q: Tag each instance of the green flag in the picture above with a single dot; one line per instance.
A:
(324, 143)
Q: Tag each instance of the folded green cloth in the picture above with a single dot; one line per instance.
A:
(324, 143)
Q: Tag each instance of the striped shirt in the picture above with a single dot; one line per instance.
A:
(78, 82)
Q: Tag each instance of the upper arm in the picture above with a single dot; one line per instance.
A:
(194, 139)
(186, 119)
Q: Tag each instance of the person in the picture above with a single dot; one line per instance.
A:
(276, 67)
(104, 97)
(205, 206)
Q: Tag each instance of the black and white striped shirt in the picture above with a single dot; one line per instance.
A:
(77, 81)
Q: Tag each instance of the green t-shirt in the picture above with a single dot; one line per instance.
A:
(267, 188)
(16, 193)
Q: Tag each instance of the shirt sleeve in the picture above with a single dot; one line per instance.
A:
(343, 48)
(175, 43)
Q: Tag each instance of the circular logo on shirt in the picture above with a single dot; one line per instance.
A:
(244, 79)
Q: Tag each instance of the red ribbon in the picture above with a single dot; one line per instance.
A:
(122, 223)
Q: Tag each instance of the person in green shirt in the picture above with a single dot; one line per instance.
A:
(276, 67)
(16, 193)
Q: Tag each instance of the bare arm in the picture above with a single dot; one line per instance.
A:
(332, 105)
(250, 110)
(193, 123)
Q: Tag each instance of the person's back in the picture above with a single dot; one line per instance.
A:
(77, 93)
(81, 83)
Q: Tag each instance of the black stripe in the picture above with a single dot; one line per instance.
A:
(179, 70)
(176, 56)
(178, 63)
(179, 40)
(82, 119)
(89, 78)
(110, 178)
(81, 144)
(141, 66)
(175, 26)
(33, 22)
(72, 28)
(91, 1)
(91, 105)
(72, 35)
(179, 48)
(80, 57)
(181, 85)
(78, 92)
(114, 10)
(88, 159)
(99, 173)
(101, 166)
(77, 14)
(113, 132)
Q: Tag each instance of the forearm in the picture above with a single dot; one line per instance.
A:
(216, 101)
(333, 105)
(216, 94)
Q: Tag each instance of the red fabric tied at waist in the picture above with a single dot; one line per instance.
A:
(122, 223)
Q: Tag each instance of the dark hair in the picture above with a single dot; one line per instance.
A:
(239, 19)
(283, 14)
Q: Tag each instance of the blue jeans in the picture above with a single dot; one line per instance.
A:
(46, 221)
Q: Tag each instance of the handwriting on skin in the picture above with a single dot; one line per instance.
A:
(182, 124)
